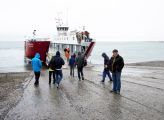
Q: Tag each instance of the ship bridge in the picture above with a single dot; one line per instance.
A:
(62, 30)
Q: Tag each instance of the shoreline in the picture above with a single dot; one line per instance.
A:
(148, 64)
(94, 67)
(155, 63)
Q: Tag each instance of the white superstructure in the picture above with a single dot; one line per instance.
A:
(76, 40)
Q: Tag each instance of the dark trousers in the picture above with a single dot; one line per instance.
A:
(52, 73)
(72, 70)
(116, 81)
(80, 73)
(106, 72)
(37, 76)
(59, 76)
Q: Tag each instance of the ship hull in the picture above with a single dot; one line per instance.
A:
(33, 47)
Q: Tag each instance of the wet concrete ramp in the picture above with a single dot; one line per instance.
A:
(89, 100)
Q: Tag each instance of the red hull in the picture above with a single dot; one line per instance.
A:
(33, 47)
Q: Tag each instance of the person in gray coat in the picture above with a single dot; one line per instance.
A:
(80, 65)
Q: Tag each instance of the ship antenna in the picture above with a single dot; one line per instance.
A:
(67, 18)
(59, 21)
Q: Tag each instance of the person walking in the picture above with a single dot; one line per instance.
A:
(117, 66)
(36, 66)
(58, 62)
(72, 65)
(67, 53)
(80, 65)
(106, 70)
(51, 69)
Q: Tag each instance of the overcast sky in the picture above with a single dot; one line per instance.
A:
(110, 20)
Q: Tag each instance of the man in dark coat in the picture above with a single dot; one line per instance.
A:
(80, 65)
(117, 66)
(58, 62)
(106, 70)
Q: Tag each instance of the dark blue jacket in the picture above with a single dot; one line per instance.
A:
(58, 61)
(36, 63)
(72, 61)
(106, 58)
(106, 61)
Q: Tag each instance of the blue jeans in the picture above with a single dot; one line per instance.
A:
(59, 76)
(106, 72)
(116, 81)
(72, 70)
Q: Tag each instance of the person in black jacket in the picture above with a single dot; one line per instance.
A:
(58, 62)
(117, 66)
(80, 65)
(106, 70)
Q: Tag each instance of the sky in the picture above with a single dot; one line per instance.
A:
(106, 20)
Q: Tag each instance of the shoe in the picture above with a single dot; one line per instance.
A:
(36, 83)
(118, 93)
(57, 85)
(102, 81)
(82, 78)
(112, 91)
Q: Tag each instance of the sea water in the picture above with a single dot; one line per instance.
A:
(12, 53)
(132, 52)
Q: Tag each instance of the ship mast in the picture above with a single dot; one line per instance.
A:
(61, 28)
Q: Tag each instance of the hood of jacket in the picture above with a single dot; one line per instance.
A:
(72, 56)
(104, 55)
(58, 54)
(37, 55)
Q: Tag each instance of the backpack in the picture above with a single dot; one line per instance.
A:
(72, 61)
(85, 62)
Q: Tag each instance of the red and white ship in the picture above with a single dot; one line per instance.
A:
(75, 40)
